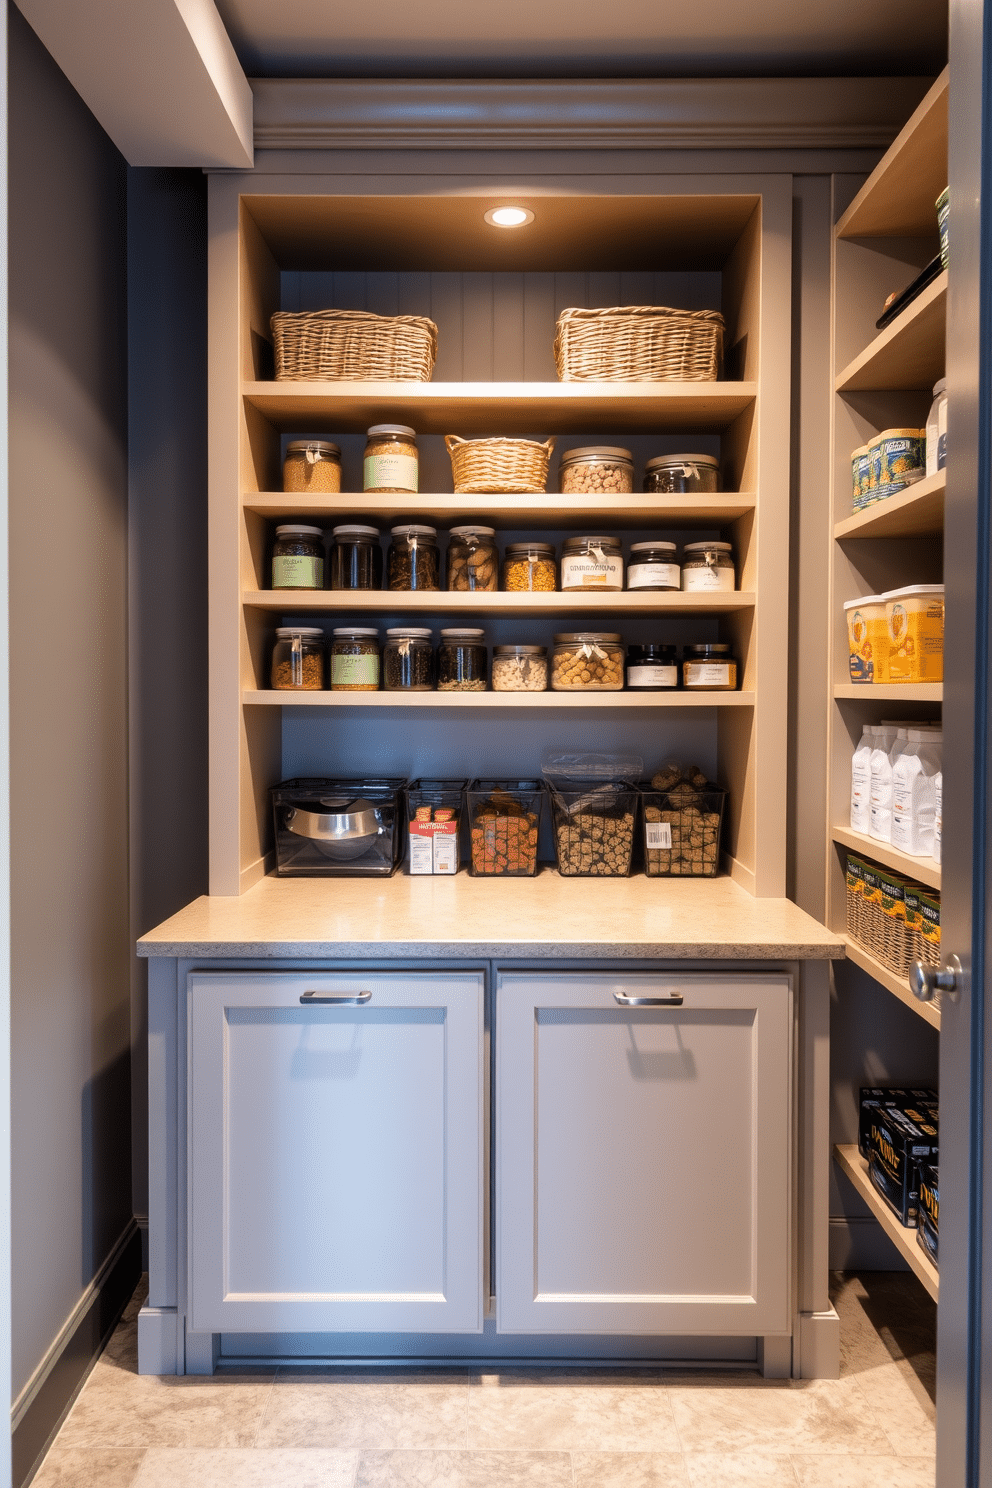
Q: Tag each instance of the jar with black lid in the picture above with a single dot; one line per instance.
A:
(414, 560)
(681, 474)
(653, 565)
(652, 668)
(298, 557)
(408, 660)
(461, 661)
(709, 667)
(355, 557)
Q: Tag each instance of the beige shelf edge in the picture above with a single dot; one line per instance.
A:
(923, 870)
(897, 200)
(389, 601)
(909, 353)
(917, 510)
(263, 698)
(851, 1162)
(906, 692)
(898, 986)
(544, 510)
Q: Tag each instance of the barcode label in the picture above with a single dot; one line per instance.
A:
(658, 834)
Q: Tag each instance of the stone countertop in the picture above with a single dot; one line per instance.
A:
(483, 918)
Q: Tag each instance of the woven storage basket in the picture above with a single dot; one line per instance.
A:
(353, 346)
(501, 466)
(639, 343)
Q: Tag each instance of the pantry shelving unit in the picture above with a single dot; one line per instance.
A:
(883, 379)
(304, 242)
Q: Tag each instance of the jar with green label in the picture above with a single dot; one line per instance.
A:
(355, 659)
(391, 460)
(298, 557)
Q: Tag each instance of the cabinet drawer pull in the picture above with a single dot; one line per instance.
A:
(675, 1000)
(350, 999)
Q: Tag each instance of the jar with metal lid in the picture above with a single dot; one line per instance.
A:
(355, 659)
(298, 659)
(605, 469)
(530, 566)
(461, 661)
(709, 667)
(937, 429)
(312, 465)
(414, 560)
(298, 557)
(520, 668)
(681, 474)
(473, 559)
(355, 557)
(592, 563)
(408, 663)
(652, 668)
(587, 661)
(708, 566)
(391, 459)
(653, 565)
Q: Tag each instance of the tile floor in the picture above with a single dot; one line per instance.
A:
(297, 1428)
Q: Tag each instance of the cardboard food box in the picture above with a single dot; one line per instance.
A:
(928, 1211)
(918, 1103)
(897, 1148)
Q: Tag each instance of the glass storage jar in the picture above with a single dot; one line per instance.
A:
(312, 465)
(355, 558)
(298, 659)
(592, 563)
(709, 667)
(587, 660)
(391, 460)
(414, 560)
(529, 566)
(298, 557)
(461, 661)
(355, 659)
(652, 668)
(681, 474)
(605, 469)
(708, 566)
(520, 668)
(473, 559)
(408, 663)
(653, 565)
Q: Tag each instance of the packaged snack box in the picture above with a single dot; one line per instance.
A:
(897, 1146)
(915, 633)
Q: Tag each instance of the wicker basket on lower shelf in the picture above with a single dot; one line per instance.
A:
(502, 466)
(639, 343)
(893, 919)
(352, 346)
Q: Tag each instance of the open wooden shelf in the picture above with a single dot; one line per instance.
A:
(441, 602)
(909, 353)
(897, 985)
(261, 698)
(917, 510)
(896, 692)
(541, 511)
(897, 200)
(503, 407)
(924, 870)
(851, 1162)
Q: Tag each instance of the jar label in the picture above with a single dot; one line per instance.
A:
(391, 472)
(710, 674)
(653, 576)
(708, 578)
(653, 676)
(592, 572)
(657, 834)
(355, 671)
(297, 573)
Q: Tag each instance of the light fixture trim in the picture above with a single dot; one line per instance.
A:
(509, 216)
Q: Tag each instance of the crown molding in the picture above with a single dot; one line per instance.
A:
(664, 113)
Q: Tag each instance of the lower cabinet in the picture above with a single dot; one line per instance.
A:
(643, 1153)
(337, 1163)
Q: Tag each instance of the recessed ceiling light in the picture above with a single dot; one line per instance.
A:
(509, 216)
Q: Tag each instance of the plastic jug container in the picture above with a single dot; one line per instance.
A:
(914, 794)
(938, 813)
(889, 744)
(861, 780)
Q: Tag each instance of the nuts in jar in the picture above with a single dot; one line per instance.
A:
(710, 667)
(461, 661)
(473, 562)
(520, 668)
(298, 557)
(587, 659)
(529, 566)
(355, 659)
(298, 659)
(312, 465)
(391, 461)
(708, 566)
(414, 561)
(652, 566)
(605, 468)
(591, 563)
(681, 474)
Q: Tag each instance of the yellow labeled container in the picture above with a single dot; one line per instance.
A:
(915, 628)
(867, 638)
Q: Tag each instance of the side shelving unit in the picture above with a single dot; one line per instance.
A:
(883, 380)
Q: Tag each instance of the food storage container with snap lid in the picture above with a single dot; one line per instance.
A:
(355, 557)
(914, 618)
(504, 819)
(681, 474)
(298, 557)
(391, 460)
(605, 469)
(593, 810)
(520, 668)
(414, 560)
(709, 666)
(355, 659)
(587, 660)
(461, 661)
(592, 563)
(298, 659)
(529, 566)
(708, 566)
(867, 639)
(312, 465)
(408, 660)
(653, 565)
(473, 559)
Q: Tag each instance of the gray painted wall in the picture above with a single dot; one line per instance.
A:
(70, 998)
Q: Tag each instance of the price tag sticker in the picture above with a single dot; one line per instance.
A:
(658, 834)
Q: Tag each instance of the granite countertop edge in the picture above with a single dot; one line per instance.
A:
(494, 950)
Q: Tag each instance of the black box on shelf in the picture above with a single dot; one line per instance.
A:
(928, 1211)
(897, 1148)
(919, 1104)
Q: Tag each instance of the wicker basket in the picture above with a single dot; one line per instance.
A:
(639, 343)
(500, 466)
(353, 346)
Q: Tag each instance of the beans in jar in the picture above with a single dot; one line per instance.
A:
(530, 566)
(604, 468)
(473, 560)
(414, 560)
(520, 668)
(590, 660)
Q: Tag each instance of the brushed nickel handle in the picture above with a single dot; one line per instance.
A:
(351, 999)
(925, 981)
(676, 1000)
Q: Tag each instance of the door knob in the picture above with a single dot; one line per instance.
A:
(926, 981)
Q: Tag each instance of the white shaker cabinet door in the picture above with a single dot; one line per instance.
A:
(336, 1152)
(643, 1153)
